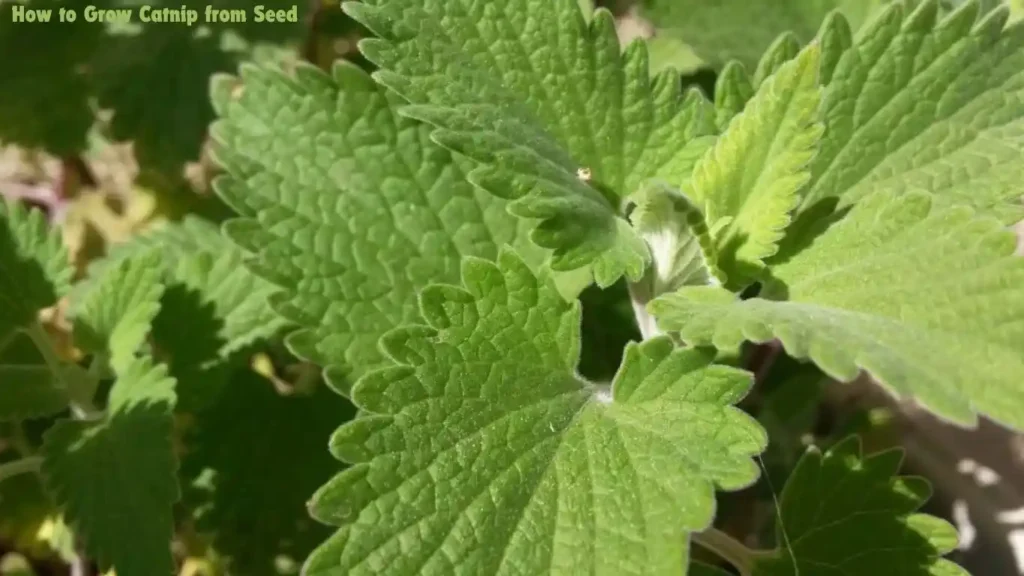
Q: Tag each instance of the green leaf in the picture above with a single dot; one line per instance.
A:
(34, 267)
(206, 281)
(115, 477)
(727, 30)
(920, 295)
(923, 104)
(114, 317)
(557, 117)
(666, 52)
(228, 475)
(481, 451)
(756, 169)
(785, 48)
(842, 514)
(195, 256)
(348, 207)
(734, 86)
(34, 274)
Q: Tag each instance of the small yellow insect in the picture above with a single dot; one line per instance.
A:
(583, 174)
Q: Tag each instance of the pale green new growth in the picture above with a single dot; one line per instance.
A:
(347, 207)
(683, 253)
(756, 169)
(681, 244)
(115, 477)
(559, 119)
(734, 86)
(481, 451)
(844, 515)
(922, 296)
(919, 104)
(785, 48)
(114, 317)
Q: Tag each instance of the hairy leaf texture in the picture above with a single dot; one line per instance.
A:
(557, 118)
(481, 451)
(926, 103)
(347, 207)
(923, 296)
(753, 175)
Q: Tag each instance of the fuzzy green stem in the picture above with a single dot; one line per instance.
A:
(22, 466)
(80, 390)
(729, 549)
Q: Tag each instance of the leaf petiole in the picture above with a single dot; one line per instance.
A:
(80, 390)
(729, 549)
(22, 466)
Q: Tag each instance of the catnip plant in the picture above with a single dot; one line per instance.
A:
(429, 229)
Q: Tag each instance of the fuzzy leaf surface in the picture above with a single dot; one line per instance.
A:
(926, 103)
(753, 174)
(923, 296)
(847, 515)
(558, 118)
(735, 85)
(481, 451)
(115, 477)
(680, 239)
(348, 207)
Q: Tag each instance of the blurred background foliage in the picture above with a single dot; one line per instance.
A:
(104, 126)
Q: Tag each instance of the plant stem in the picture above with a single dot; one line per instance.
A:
(23, 466)
(729, 549)
(639, 296)
(80, 392)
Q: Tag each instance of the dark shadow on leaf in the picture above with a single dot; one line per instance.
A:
(257, 457)
(704, 79)
(841, 509)
(608, 324)
(186, 336)
(807, 227)
(24, 285)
